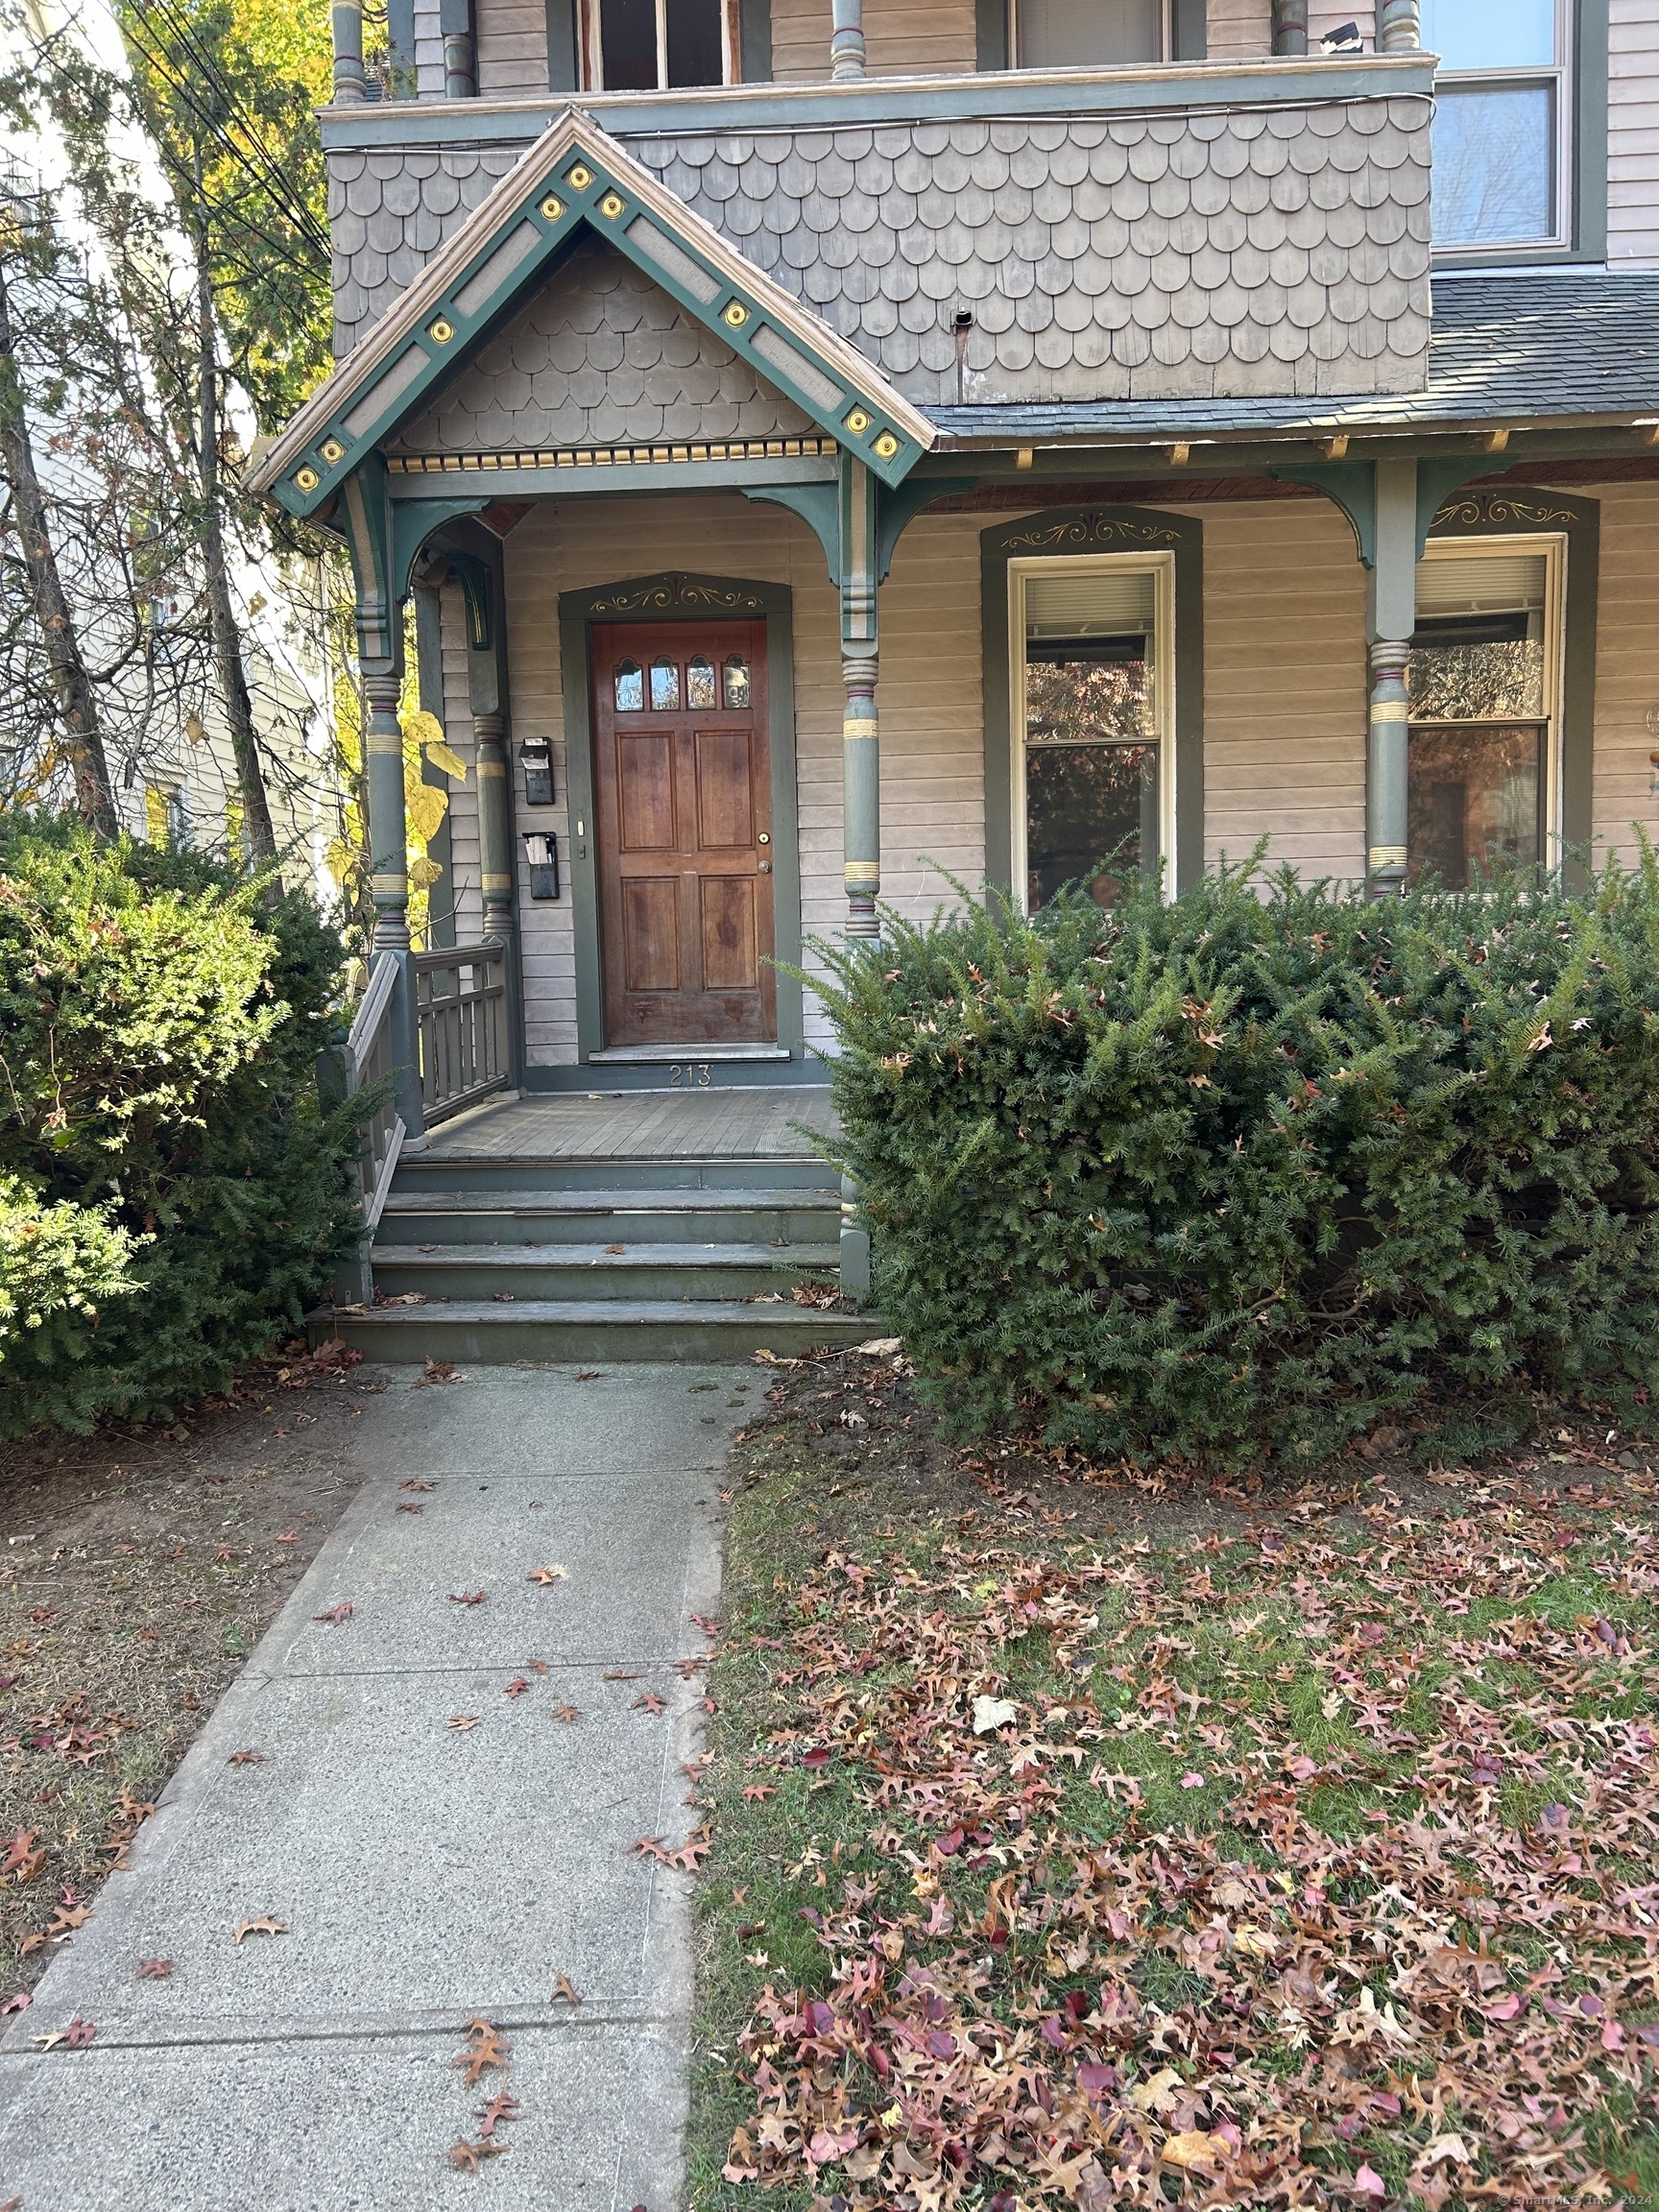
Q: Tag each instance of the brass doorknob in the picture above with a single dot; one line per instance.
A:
(765, 867)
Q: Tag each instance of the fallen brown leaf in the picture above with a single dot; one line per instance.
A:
(501, 2110)
(565, 1713)
(246, 1759)
(264, 1924)
(462, 1722)
(485, 2047)
(469, 2157)
(468, 1596)
(154, 1969)
(414, 1482)
(564, 1993)
(335, 1614)
(518, 1687)
(547, 1575)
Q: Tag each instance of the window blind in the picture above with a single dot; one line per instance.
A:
(1488, 584)
(1098, 603)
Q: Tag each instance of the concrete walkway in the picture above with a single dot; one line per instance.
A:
(426, 1874)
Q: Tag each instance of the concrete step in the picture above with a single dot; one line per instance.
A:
(587, 1331)
(539, 1271)
(763, 1216)
(423, 1171)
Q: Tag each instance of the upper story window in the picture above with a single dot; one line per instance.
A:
(1090, 34)
(1502, 113)
(649, 45)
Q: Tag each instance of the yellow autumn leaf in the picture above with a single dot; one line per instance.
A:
(339, 859)
(425, 807)
(445, 756)
(1193, 2149)
(424, 873)
(1255, 1943)
(1155, 2094)
(421, 728)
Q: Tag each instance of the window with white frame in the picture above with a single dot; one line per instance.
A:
(649, 45)
(1088, 33)
(1503, 121)
(1091, 641)
(1483, 681)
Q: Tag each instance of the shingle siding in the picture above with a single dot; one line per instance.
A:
(600, 355)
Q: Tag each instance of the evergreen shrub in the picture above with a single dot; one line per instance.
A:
(171, 1195)
(1244, 1173)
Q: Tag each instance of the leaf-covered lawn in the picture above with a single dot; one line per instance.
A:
(1299, 1853)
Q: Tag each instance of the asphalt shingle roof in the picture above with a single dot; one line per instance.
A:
(1506, 347)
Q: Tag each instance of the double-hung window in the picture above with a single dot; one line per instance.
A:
(1094, 707)
(648, 45)
(1503, 122)
(1484, 682)
(1090, 34)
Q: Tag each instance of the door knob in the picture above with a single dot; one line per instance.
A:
(765, 867)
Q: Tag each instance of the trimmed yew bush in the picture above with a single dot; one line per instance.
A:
(1243, 1173)
(171, 1196)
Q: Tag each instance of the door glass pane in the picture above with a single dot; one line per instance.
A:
(694, 42)
(664, 687)
(1088, 33)
(1473, 801)
(1086, 804)
(629, 687)
(1494, 165)
(699, 682)
(1490, 33)
(628, 39)
(735, 675)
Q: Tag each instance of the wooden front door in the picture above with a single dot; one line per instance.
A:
(684, 805)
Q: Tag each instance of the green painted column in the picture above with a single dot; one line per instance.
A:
(1391, 616)
(1399, 26)
(1290, 26)
(860, 726)
(495, 826)
(388, 826)
(350, 78)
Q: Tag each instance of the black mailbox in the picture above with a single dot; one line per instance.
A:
(537, 754)
(541, 850)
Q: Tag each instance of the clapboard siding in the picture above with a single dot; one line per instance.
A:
(512, 46)
(1322, 21)
(1627, 665)
(463, 796)
(1238, 29)
(1634, 134)
(1285, 686)
(902, 38)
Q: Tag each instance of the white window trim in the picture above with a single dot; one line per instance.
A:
(593, 57)
(1563, 77)
(1552, 545)
(1161, 566)
(1166, 39)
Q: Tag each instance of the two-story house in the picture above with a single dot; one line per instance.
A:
(832, 448)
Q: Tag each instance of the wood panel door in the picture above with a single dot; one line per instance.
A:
(684, 805)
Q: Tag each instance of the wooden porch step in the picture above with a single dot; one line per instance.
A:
(590, 1330)
(428, 1172)
(767, 1216)
(636, 1271)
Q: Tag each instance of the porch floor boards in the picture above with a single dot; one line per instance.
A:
(757, 1123)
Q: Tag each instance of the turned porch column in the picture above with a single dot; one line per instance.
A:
(1290, 26)
(1399, 26)
(350, 78)
(1391, 616)
(860, 729)
(846, 39)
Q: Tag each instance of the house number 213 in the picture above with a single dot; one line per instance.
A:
(689, 1076)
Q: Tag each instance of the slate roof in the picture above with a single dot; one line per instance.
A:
(1508, 347)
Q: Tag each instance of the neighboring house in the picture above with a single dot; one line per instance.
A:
(170, 755)
(832, 454)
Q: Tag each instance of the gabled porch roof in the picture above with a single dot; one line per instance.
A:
(573, 178)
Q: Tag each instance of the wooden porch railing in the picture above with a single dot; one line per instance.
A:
(369, 1056)
(461, 1005)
